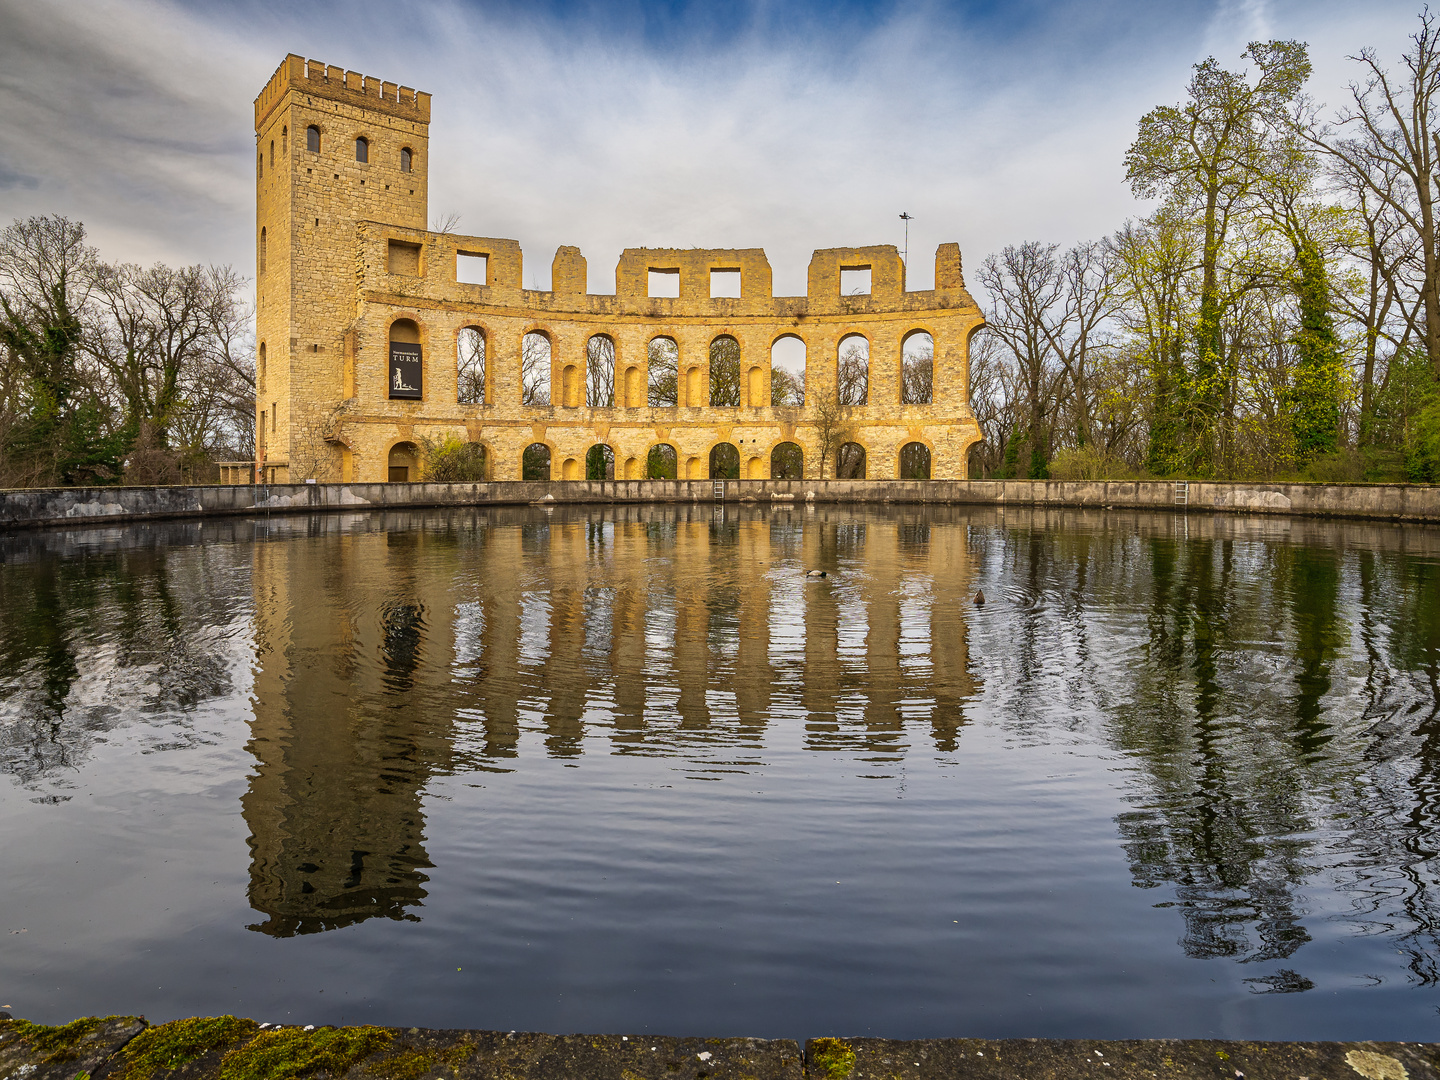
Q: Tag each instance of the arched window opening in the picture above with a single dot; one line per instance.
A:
(850, 462)
(914, 461)
(406, 159)
(312, 139)
(404, 463)
(600, 463)
(664, 382)
(261, 365)
(787, 462)
(600, 373)
(272, 153)
(362, 149)
(535, 370)
(470, 366)
(285, 139)
(787, 371)
(260, 165)
(852, 370)
(917, 369)
(724, 373)
(535, 462)
(407, 368)
(661, 463)
(725, 462)
(263, 245)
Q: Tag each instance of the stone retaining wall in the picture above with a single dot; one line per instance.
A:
(121, 1047)
(65, 506)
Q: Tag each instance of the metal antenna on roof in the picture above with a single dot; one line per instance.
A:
(907, 219)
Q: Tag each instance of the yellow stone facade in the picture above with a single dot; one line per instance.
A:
(347, 271)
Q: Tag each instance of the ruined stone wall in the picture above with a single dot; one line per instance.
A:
(357, 260)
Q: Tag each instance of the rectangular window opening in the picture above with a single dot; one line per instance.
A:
(471, 268)
(404, 258)
(724, 284)
(855, 281)
(665, 283)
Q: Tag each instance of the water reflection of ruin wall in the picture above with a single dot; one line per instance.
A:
(344, 256)
(343, 742)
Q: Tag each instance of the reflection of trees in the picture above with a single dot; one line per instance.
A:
(90, 643)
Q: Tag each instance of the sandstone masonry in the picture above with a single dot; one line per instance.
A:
(352, 288)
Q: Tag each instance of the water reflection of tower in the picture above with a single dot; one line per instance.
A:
(345, 727)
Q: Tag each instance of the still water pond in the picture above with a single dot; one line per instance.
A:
(632, 770)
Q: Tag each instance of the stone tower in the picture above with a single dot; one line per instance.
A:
(333, 148)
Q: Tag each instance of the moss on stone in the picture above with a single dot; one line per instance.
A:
(58, 1043)
(293, 1053)
(169, 1046)
(411, 1064)
(832, 1057)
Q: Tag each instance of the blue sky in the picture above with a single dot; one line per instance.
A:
(788, 126)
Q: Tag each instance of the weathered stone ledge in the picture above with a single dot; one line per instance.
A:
(22, 508)
(230, 1048)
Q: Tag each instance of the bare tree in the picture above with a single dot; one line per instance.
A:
(832, 428)
(663, 381)
(535, 370)
(852, 371)
(786, 388)
(470, 366)
(600, 372)
(725, 372)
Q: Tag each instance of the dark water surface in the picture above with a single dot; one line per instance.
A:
(629, 770)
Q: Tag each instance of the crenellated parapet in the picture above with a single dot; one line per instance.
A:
(336, 84)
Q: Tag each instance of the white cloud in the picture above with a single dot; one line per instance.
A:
(795, 130)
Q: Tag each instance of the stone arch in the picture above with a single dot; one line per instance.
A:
(725, 361)
(535, 461)
(536, 366)
(312, 138)
(852, 369)
(917, 368)
(662, 462)
(571, 469)
(571, 386)
(915, 461)
(600, 462)
(470, 365)
(403, 462)
(600, 372)
(724, 461)
(787, 461)
(407, 159)
(692, 389)
(405, 367)
(694, 468)
(755, 468)
(663, 380)
(634, 399)
(850, 462)
(362, 150)
(632, 468)
(787, 370)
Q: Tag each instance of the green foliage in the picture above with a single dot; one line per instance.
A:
(1088, 463)
(294, 1054)
(451, 460)
(535, 462)
(1315, 395)
(599, 463)
(1422, 447)
(169, 1046)
(660, 464)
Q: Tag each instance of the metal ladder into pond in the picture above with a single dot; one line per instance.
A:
(719, 490)
(1182, 492)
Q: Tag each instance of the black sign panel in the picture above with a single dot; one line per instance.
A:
(406, 370)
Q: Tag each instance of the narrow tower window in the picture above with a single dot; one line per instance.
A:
(312, 138)
(285, 139)
(405, 159)
(262, 250)
(272, 153)
(362, 149)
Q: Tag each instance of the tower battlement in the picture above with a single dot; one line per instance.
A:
(336, 84)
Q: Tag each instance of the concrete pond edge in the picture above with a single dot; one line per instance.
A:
(234, 1048)
(45, 507)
